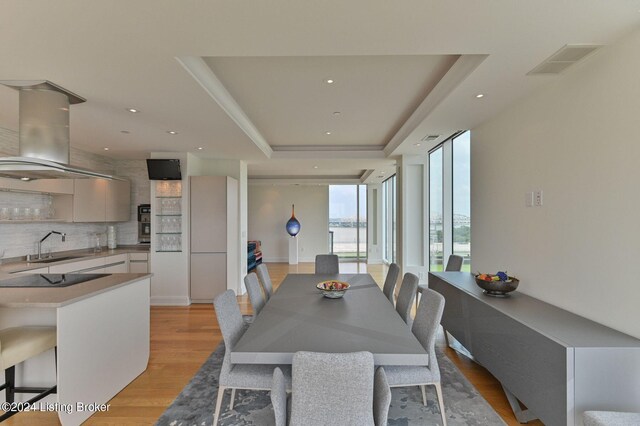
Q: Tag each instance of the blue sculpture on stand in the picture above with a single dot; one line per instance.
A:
(293, 226)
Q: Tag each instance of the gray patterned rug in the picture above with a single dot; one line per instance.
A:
(195, 404)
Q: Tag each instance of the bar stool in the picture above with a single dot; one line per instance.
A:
(18, 344)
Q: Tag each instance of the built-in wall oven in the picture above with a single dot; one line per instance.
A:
(144, 223)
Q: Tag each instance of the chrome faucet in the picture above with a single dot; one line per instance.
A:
(62, 234)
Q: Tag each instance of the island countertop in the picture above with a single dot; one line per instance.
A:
(38, 297)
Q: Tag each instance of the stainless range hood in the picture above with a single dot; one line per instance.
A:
(44, 134)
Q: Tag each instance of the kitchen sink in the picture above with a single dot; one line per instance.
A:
(55, 259)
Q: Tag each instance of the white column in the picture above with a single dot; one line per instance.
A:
(293, 250)
(374, 223)
(413, 220)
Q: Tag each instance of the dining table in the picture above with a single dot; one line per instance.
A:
(297, 317)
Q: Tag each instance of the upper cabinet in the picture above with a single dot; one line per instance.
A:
(100, 200)
(69, 200)
(118, 201)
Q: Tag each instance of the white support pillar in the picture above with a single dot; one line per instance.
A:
(413, 218)
(374, 223)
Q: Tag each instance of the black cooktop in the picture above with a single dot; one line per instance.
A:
(49, 280)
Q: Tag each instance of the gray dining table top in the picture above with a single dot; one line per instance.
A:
(298, 318)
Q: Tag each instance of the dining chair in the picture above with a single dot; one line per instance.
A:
(406, 295)
(327, 264)
(332, 389)
(239, 376)
(265, 279)
(425, 327)
(390, 281)
(18, 344)
(255, 293)
(454, 264)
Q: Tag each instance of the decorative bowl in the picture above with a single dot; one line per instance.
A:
(498, 288)
(333, 289)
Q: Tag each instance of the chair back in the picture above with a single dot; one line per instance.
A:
(427, 320)
(332, 389)
(454, 264)
(407, 293)
(390, 282)
(327, 264)
(255, 293)
(229, 318)
(265, 279)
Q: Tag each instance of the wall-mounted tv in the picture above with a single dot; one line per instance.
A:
(161, 169)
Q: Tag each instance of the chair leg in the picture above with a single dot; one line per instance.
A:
(441, 403)
(233, 397)
(423, 388)
(221, 390)
(10, 380)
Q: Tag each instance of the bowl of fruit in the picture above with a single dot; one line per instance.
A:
(497, 285)
(333, 289)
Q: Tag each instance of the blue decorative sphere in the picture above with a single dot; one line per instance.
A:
(293, 226)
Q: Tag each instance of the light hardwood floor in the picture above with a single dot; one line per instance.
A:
(182, 338)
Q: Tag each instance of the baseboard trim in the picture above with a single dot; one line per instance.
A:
(170, 301)
(286, 259)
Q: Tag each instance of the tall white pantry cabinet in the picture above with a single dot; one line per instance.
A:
(214, 231)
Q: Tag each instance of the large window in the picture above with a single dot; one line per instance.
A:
(389, 220)
(449, 202)
(436, 235)
(462, 198)
(348, 221)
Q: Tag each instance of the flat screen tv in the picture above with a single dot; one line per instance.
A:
(161, 169)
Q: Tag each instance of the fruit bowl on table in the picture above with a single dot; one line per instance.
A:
(333, 289)
(497, 285)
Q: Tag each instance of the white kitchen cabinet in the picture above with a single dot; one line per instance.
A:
(118, 201)
(138, 263)
(118, 264)
(89, 200)
(215, 255)
(90, 266)
(101, 200)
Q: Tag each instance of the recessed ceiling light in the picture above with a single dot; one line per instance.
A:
(25, 178)
(329, 81)
(381, 173)
(480, 95)
(336, 113)
(327, 133)
(200, 148)
(133, 110)
(106, 149)
(417, 144)
(126, 132)
(172, 132)
(315, 167)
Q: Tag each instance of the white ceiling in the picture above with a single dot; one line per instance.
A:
(122, 53)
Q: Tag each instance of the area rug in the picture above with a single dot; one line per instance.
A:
(195, 404)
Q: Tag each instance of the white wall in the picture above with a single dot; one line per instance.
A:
(577, 140)
(270, 209)
(374, 220)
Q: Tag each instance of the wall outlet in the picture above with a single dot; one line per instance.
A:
(528, 199)
(538, 198)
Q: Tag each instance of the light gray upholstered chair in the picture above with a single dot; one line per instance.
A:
(425, 327)
(454, 264)
(239, 376)
(255, 293)
(390, 282)
(610, 418)
(18, 344)
(265, 279)
(332, 389)
(406, 295)
(327, 264)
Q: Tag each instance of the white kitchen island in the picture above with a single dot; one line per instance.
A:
(102, 338)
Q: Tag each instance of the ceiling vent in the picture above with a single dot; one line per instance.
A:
(430, 138)
(564, 58)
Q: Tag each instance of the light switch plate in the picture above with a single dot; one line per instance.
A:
(538, 198)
